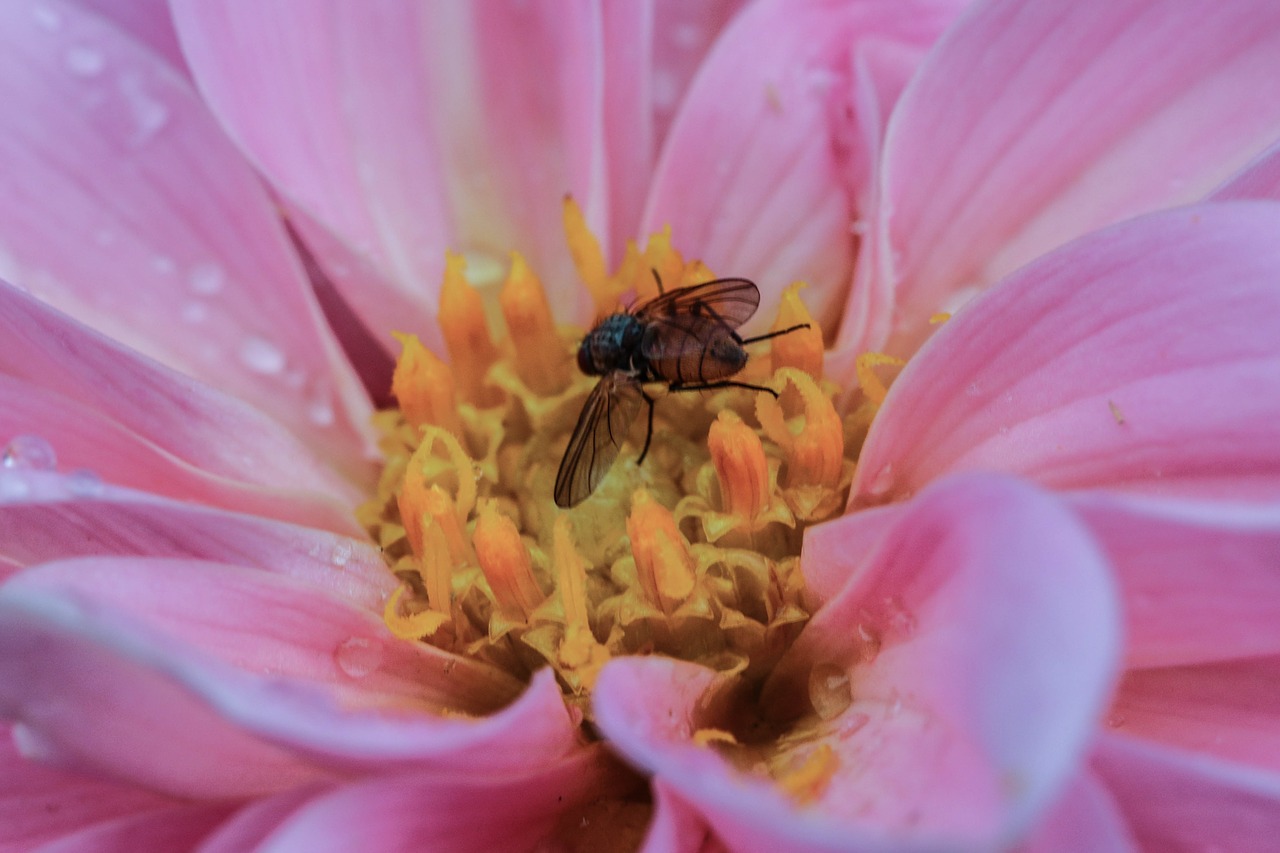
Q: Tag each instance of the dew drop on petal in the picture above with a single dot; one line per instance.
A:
(84, 61)
(149, 114)
(46, 18)
(973, 389)
(358, 656)
(195, 313)
(261, 356)
(900, 622)
(30, 452)
(163, 265)
(320, 413)
(830, 692)
(882, 482)
(852, 724)
(32, 744)
(342, 552)
(84, 483)
(206, 279)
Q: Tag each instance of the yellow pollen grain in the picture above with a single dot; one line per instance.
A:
(814, 442)
(807, 782)
(940, 317)
(506, 563)
(466, 334)
(424, 387)
(541, 360)
(872, 387)
(706, 737)
(801, 349)
(664, 563)
(588, 258)
(741, 468)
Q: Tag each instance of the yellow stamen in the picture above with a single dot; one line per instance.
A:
(706, 737)
(541, 358)
(814, 442)
(664, 564)
(439, 508)
(940, 317)
(807, 782)
(466, 334)
(801, 349)
(412, 626)
(660, 256)
(872, 387)
(423, 385)
(579, 651)
(738, 456)
(588, 258)
(506, 564)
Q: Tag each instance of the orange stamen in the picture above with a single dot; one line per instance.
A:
(801, 349)
(738, 456)
(506, 563)
(424, 387)
(664, 564)
(466, 333)
(541, 358)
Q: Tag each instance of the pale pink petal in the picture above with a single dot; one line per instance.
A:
(683, 34)
(280, 683)
(1260, 179)
(1142, 357)
(174, 828)
(1200, 580)
(1035, 122)
(676, 826)
(830, 551)
(768, 162)
(39, 803)
(148, 21)
(250, 826)
(1225, 709)
(1085, 817)
(46, 517)
(95, 449)
(975, 684)
(132, 212)
(197, 424)
(451, 813)
(428, 128)
(1174, 800)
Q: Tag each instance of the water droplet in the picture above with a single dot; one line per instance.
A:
(195, 313)
(973, 390)
(30, 452)
(84, 61)
(261, 356)
(342, 552)
(869, 644)
(852, 724)
(84, 483)
(104, 236)
(163, 265)
(358, 656)
(320, 413)
(1116, 721)
(1003, 429)
(829, 690)
(46, 18)
(206, 279)
(12, 487)
(32, 744)
(895, 704)
(882, 482)
(901, 623)
(687, 36)
(149, 114)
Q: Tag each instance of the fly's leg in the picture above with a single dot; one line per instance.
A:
(776, 334)
(708, 386)
(648, 436)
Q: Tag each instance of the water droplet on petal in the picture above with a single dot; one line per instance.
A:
(84, 61)
(104, 236)
(851, 724)
(830, 692)
(84, 483)
(32, 744)
(163, 265)
(320, 413)
(195, 313)
(30, 452)
(973, 389)
(882, 482)
(149, 114)
(342, 552)
(45, 17)
(261, 356)
(358, 656)
(206, 279)
(901, 623)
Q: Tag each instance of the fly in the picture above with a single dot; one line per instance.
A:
(686, 338)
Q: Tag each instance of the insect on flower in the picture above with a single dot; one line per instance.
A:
(686, 338)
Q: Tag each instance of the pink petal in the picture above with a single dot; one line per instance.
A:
(98, 449)
(970, 689)
(175, 828)
(1036, 122)
(252, 824)
(1142, 357)
(1175, 800)
(148, 21)
(767, 163)
(180, 416)
(56, 517)
(676, 825)
(1086, 817)
(1199, 580)
(451, 813)
(451, 127)
(281, 684)
(1227, 709)
(39, 804)
(134, 214)
(1260, 179)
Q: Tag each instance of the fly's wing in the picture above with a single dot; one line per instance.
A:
(603, 424)
(689, 333)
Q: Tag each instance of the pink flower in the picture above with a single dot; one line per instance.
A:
(1048, 618)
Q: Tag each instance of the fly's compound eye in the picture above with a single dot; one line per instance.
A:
(585, 362)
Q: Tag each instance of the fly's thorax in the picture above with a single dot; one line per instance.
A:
(611, 345)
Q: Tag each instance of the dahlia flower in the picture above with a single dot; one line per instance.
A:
(994, 563)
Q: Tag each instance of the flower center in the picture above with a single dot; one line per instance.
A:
(694, 554)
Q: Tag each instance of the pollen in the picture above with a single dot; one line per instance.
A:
(693, 553)
(873, 388)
